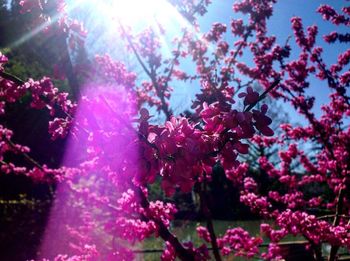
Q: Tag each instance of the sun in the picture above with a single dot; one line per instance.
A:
(137, 13)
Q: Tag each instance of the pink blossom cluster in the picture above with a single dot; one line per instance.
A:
(239, 241)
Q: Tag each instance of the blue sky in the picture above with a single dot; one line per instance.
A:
(279, 25)
(221, 11)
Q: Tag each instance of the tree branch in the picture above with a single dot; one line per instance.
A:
(208, 216)
(183, 253)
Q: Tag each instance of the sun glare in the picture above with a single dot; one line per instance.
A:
(134, 14)
(138, 13)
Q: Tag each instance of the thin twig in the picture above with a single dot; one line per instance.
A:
(151, 74)
(263, 95)
(25, 155)
(332, 216)
(11, 78)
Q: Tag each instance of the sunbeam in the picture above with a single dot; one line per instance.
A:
(44, 25)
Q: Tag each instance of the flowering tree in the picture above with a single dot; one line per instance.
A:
(116, 152)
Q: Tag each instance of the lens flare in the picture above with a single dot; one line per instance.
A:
(78, 217)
